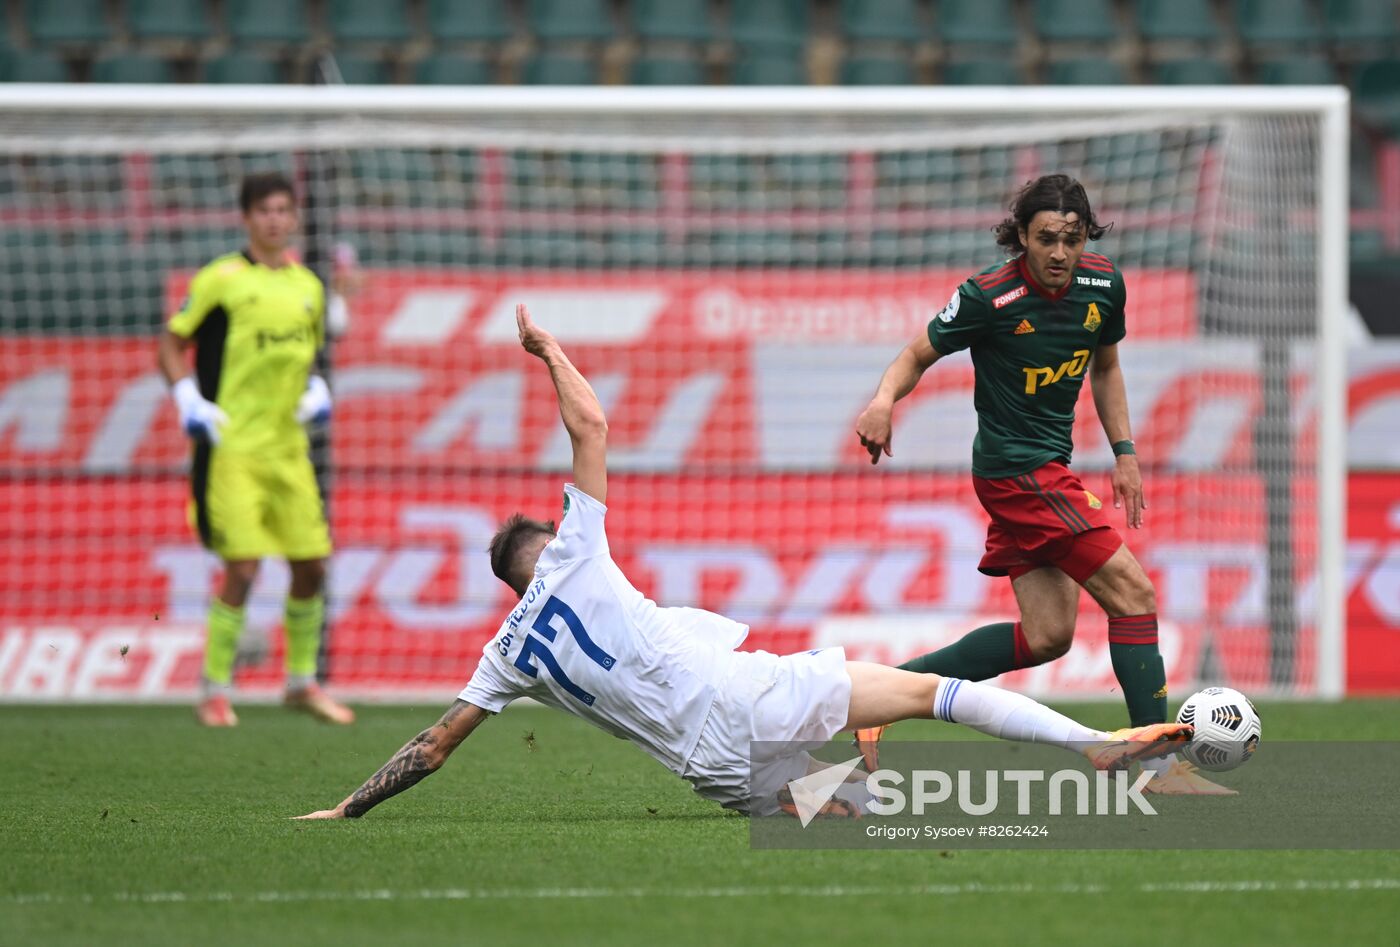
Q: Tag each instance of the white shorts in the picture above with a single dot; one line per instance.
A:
(770, 711)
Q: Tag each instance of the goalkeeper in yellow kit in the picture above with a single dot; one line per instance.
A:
(255, 320)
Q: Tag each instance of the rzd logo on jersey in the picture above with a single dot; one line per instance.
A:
(1037, 378)
(1092, 320)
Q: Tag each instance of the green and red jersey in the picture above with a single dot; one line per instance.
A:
(1030, 351)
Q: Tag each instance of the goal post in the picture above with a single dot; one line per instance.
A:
(733, 268)
(1332, 301)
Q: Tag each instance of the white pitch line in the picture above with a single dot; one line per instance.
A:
(770, 891)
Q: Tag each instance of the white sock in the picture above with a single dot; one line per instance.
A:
(1008, 715)
(1160, 765)
(856, 794)
(299, 682)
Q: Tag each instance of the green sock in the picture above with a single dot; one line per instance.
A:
(980, 654)
(1137, 663)
(302, 621)
(225, 626)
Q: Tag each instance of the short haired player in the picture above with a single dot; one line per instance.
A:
(582, 639)
(255, 320)
(1037, 324)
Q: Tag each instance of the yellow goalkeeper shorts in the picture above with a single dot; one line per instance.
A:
(248, 506)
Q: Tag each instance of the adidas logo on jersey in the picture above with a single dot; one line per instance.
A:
(1024, 328)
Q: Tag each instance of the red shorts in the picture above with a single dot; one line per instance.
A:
(1044, 518)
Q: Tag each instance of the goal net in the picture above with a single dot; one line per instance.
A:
(733, 270)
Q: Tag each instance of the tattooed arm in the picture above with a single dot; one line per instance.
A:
(422, 755)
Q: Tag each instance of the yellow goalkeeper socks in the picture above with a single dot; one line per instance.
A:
(302, 620)
(225, 626)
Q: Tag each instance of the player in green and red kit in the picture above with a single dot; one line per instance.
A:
(1037, 325)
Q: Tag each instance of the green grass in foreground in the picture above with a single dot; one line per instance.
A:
(131, 825)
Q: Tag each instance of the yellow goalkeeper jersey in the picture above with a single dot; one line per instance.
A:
(256, 332)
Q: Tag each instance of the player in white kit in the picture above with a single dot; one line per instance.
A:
(735, 725)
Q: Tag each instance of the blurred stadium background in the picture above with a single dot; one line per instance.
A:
(734, 303)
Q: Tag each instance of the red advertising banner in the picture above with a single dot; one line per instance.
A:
(1373, 584)
(104, 592)
(738, 484)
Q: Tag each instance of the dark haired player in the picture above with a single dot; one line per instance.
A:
(1037, 324)
(255, 320)
(733, 724)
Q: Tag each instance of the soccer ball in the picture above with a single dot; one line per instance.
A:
(1227, 728)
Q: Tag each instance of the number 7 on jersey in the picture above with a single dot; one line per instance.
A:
(539, 648)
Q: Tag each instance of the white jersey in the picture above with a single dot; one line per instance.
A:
(584, 640)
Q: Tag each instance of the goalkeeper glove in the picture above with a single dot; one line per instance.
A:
(314, 406)
(200, 418)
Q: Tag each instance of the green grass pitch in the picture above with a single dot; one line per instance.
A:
(131, 826)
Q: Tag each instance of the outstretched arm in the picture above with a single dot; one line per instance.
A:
(1111, 401)
(874, 426)
(419, 757)
(578, 405)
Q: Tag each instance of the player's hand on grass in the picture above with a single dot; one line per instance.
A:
(335, 813)
(314, 406)
(533, 339)
(1127, 489)
(200, 418)
(873, 428)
